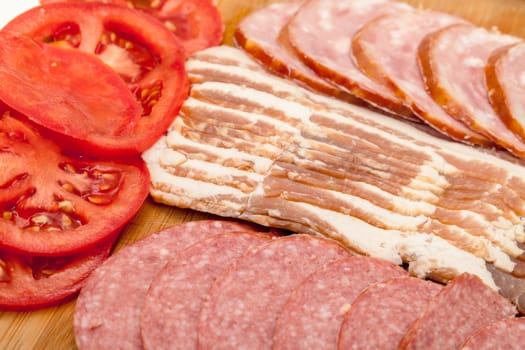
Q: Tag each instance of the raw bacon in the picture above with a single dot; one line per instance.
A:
(313, 314)
(321, 32)
(462, 90)
(386, 50)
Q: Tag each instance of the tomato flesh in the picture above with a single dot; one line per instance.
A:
(52, 203)
(144, 53)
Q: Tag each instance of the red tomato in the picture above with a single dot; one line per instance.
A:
(197, 23)
(136, 46)
(32, 282)
(52, 203)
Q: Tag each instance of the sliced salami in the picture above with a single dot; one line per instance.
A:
(391, 306)
(321, 32)
(312, 316)
(452, 61)
(172, 304)
(245, 300)
(461, 308)
(505, 78)
(107, 312)
(508, 334)
(260, 34)
(386, 50)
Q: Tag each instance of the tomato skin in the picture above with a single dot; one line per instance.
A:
(52, 203)
(145, 53)
(31, 282)
(197, 23)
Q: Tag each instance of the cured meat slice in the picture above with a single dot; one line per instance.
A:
(172, 304)
(505, 79)
(107, 311)
(474, 307)
(321, 32)
(245, 300)
(390, 306)
(508, 334)
(462, 90)
(261, 35)
(386, 50)
(312, 316)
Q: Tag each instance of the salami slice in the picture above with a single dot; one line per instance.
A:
(505, 78)
(508, 334)
(386, 50)
(260, 34)
(312, 316)
(244, 301)
(321, 32)
(461, 308)
(391, 306)
(172, 304)
(452, 60)
(107, 312)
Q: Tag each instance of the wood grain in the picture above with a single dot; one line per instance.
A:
(52, 328)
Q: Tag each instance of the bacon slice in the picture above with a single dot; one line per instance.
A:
(254, 146)
(452, 61)
(505, 79)
(386, 50)
(321, 31)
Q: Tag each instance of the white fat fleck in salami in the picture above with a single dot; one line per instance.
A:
(107, 312)
(244, 301)
(262, 34)
(313, 314)
(505, 79)
(380, 316)
(452, 61)
(386, 50)
(172, 304)
(458, 310)
(508, 334)
(321, 33)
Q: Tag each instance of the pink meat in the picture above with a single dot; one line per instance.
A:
(172, 304)
(107, 312)
(245, 300)
(313, 314)
(390, 306)
(321, 32)
(465, 305)
(508, 334)
(386, 49)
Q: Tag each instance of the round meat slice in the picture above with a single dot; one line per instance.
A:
(386, 50)
(452, 61)
(391, 306)
(505, 79)
(458, 310)
(107, 312)
(264, 36)
(171, 307)
(321, 33)
(312, 316)
(508, 334)
(245, 300)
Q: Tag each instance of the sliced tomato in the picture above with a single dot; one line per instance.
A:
(32, 282)
(145, 54)
(52, 203)
(197, 23)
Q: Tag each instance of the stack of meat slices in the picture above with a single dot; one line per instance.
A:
(424, 65)
(226, 285)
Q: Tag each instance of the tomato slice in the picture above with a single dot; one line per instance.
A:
(145, 54)
(197, 23)
(33, 282)
(52, 203)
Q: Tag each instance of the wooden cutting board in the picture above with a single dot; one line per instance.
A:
(52, 328)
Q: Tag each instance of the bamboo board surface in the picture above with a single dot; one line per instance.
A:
(52, 328)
